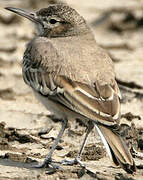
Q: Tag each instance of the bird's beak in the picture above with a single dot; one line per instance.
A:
(29, 15)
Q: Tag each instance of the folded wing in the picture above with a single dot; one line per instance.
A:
(99, 102)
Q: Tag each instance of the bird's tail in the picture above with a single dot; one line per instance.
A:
(116, 148)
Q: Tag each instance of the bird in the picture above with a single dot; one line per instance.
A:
(74, 78)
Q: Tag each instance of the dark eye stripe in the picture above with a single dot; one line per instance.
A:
(44, 19)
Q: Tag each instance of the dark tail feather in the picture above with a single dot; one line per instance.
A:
(117, 149)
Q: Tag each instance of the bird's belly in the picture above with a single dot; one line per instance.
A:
(52, 106)
(59, 111)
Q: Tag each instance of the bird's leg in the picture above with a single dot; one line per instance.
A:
(48, 159)
(77, 158)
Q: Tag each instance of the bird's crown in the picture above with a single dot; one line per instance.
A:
(55, 21)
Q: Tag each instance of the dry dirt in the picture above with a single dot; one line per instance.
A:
(27, 132)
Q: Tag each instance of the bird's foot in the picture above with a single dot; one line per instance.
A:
(73, 162)
(47, 163)
(68, 162)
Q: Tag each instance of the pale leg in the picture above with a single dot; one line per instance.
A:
(48, 159)
(77, 159)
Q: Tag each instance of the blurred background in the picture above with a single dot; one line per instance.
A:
(118, 28)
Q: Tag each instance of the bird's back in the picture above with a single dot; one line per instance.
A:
(80, 59)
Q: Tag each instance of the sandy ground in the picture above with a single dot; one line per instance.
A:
(27, 132)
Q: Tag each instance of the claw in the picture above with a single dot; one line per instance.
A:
(42, 165)
(47, 163)
(79, 162)
(55, 166)
(38, 166)
(72, 162)
(68, 162)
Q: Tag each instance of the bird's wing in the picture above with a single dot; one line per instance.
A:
(102, 106)
(99, 103)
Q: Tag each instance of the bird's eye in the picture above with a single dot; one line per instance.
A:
(53, 21)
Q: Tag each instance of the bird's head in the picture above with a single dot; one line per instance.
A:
(55, 21)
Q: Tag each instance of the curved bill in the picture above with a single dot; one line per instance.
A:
(29, 15)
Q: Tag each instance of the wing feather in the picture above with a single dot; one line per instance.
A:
(99, 102)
